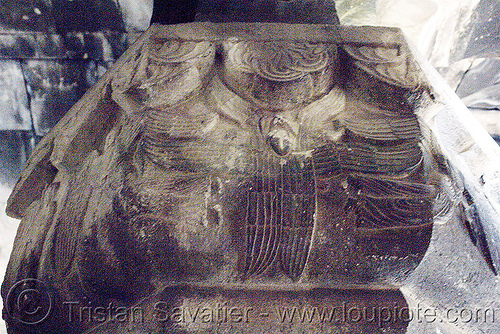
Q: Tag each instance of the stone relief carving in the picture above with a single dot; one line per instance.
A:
(235, 161)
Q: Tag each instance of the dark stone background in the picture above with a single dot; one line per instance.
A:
(51, 52)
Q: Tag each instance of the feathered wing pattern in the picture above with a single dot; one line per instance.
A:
(299, 205)
(380, 161)
(383, 192)
(279, 216)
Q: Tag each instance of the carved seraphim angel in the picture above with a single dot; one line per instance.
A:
(235, 161)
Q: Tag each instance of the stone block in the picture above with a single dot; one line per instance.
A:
(54, 86)
(13, 99)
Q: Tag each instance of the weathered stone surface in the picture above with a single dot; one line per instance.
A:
(265, 158)
(454, 286)
(13, 98)
(206, 310)
(476, 157)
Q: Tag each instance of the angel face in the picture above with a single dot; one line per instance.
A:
(279, 135)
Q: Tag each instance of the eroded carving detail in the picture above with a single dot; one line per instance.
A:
(278, 74)
(234, 162)
(162, 73)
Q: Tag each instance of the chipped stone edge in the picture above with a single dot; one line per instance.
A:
(470, 150)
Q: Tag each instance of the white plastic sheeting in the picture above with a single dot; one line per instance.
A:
(136, 13)
(439, 28)
(8, 228)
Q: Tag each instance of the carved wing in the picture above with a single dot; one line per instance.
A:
(280, 203)
(380, 164)
(381, 183)
(39, 197)
(279, 215)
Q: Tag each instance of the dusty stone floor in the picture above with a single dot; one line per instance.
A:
(453, 282)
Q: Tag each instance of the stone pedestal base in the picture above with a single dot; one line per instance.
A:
(215, 310)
